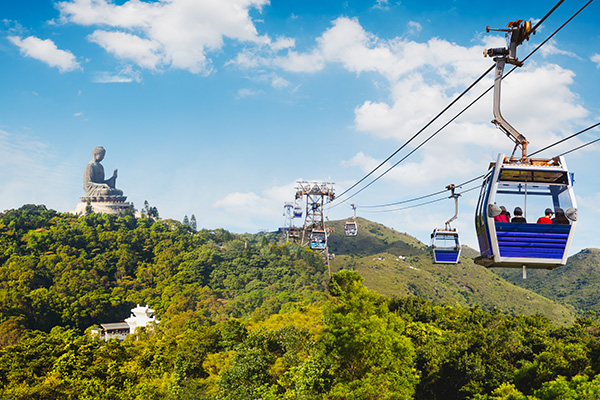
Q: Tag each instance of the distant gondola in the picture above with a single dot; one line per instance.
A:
(445, 243)
(318, 239)
(297, 212)
(351, 227)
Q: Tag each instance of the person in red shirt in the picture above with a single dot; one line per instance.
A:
(503, 217)
(547, 219)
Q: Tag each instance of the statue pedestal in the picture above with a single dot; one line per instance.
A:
(103, 205)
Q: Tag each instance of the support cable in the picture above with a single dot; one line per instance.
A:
(482, 175)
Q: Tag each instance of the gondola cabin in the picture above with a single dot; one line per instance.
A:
(297, 212)
(318, 239)
(351, 228)
(533, 187)
(445, 246)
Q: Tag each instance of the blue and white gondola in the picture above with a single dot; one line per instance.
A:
(445, 246)
(532, 245)
(351, 228)
(318, 239)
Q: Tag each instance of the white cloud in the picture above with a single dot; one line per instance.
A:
(175, 33)
(278, 82)
(596, 59)
(47, 52)
(143, 52)
(550, 49)
(283, 43)
(124, 75)
(244, 210)
(237, 200)
(246, 92)
(414, 27)
(381, 4)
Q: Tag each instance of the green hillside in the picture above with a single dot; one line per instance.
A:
(246, 317)
(575, 284)
(373, 238)
(407, 269)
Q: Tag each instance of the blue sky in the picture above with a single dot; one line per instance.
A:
(217, 107)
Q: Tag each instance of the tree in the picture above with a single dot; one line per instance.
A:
(193, 223)
(186, 221)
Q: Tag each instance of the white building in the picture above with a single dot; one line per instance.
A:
(140, 317)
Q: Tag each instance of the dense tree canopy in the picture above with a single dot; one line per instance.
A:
(248, 318)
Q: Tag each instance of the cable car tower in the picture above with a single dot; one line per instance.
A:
(530, 184)
(445, 243)
(314, 232)
(292, 210)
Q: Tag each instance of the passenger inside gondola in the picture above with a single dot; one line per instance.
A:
(560, 218)
(547, 218)
(504, 216)
(518, 218)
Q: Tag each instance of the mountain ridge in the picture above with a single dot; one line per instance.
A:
(395, 263)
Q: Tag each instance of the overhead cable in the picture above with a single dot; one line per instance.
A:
(447, 107)
(482, 175)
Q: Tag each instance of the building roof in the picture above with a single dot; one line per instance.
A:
(115, 325)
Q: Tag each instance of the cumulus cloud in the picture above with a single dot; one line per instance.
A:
(550, 49)
(175, 33)
(245, 209)
(596, 59)
(424, 77)
(47, 52)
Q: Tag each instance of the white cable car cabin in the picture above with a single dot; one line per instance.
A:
(351, 227)
(445, 243)
(318, 239)
(532, 187)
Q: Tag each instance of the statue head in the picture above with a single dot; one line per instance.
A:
(98, 153)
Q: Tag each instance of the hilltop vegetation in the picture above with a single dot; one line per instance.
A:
(374, 238)
(575, 284)
(60, 270)
(248, 318)
(407, 269)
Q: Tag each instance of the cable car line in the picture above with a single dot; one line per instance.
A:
(419, 132)
(421, 204)
(567, 138)
(579, 147)
(482, 175)
(448, 106)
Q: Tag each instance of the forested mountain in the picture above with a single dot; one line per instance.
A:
(574, 284)
(406, 268)
(244, 318)
(60, 270)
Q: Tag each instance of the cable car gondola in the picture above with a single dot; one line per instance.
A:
(445, 246)
(530, 184)
(532, 187)
(318, 239)
(445, 243)
(297, 211)
(351, 227)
